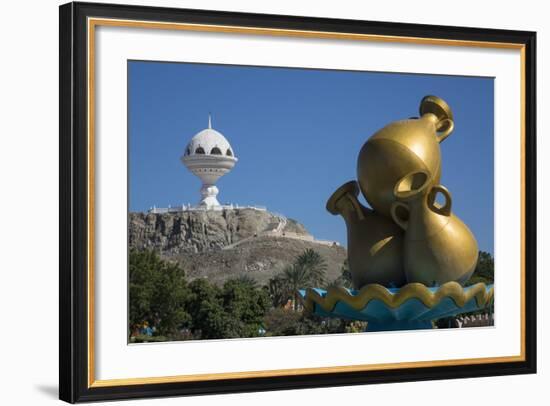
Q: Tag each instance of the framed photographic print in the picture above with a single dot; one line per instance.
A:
(256, 202)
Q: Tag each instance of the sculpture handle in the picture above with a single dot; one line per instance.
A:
(444, 210)
(398, 220)
(443, 115)
(447, 125)
(348, 192)
(412, 185)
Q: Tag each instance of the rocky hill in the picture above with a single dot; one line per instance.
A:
(219, 245)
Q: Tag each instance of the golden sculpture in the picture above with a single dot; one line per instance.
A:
(439, 247)
(375, 243)
(401, 148)
(399, 171)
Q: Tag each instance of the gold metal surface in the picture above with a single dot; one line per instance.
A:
(399, 168)
(403, 147)
(418, 291)
(375, 243)
(94, 22)
(439, 247)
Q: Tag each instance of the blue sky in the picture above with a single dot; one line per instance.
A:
(297, 134)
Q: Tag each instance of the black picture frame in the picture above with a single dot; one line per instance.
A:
(74, 385)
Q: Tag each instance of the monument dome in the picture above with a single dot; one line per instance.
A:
(209, 142)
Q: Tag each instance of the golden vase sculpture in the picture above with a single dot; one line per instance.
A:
(399, 171)
(438, 246)
(403, 147)
(375, 243)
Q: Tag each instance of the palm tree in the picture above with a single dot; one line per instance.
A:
(247, 280)
(308, 270)
(278, 291)
(296, 277)
(314, 265)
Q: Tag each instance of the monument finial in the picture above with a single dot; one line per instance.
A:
(209, 120)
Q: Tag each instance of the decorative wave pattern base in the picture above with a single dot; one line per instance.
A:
(413, 306)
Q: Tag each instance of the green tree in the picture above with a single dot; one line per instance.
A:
(204, 304)
(314, 266)
(246, 306)
(282, 322)
(157, 291)
(278, 291)
(236, 310)
(313, 324)
(296, 277)
(248, 280)
(485, 270)
(307, 271)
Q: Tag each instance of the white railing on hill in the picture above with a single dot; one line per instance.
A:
(188, 207)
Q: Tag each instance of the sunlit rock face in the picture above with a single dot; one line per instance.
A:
(223, 244)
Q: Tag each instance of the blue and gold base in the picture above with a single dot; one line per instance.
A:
(411, 307)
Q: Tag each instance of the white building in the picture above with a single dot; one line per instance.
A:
(209, 156)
